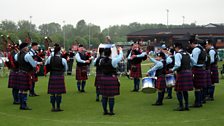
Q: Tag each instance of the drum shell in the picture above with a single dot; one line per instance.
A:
(170, 80)
(148, 85)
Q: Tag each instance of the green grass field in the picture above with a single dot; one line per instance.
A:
(132, 109)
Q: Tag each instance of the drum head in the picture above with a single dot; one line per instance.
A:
(111, 46)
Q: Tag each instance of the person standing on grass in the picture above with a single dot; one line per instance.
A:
(26, 67)
(184, 76)
(56, 85)
(109, 83)
(98, 72)
(213, 69)
(160, 68)
(136, 56)
(81, 68)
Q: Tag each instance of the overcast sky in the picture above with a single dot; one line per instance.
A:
(110, 12)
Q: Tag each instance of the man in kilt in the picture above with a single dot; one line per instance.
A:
(184, 76)
(26, 66)
(81, 68)
(98, 72)
(198, 70)
(136, 56)
(109, 83)
(33, 53)
(14, 68)
(70, 61)
(213, 68)
(56, 84)
(160, 69)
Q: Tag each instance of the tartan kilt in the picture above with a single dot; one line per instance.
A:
(137, 73)
(109, 86)
(56, 83)
(24, 81)
(97, 79)
(184, 81)
(214, 74)
(199, 78)
(81, 73)
(160, 82)
(208, 78)
(34, 77)
(12, 83)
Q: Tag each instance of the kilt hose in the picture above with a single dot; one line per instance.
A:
(81, 73)
(12, 83)
(24, 81)
(184, 81)
(199, 78)
(208, 78)
(214, 74)
(161, 82)
(109, 86)
(56, 84)
(136, 71)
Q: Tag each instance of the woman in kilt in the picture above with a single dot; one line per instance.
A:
(160, 69)
(109, 84)
(184, 76)
(213, 68)
(24, 80)
(56, 85)
(98, 72)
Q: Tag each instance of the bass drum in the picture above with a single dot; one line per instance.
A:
(148, 85)
(170, 80)
(111, 46)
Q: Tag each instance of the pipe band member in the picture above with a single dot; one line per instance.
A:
(56, 84)
(109, 83)
(81, 69)
(212, 52)
(184, 76)
(160, 69)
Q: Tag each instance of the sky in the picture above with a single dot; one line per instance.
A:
(106, 13)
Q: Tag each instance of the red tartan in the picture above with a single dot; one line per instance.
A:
(24, 81)
(34, 77)
(12, 79)
(208, 78)
(56, 84)
(97, 79)
(81, 73)
(161, 83)
(109, 86)
(184, 81)
(137, 73)
(214, 74)
(199, 78)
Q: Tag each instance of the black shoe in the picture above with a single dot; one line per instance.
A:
(111, 113)
(26, 108)
(97, 99)
(53, 110)
(82, 91)
(186, 109)
(196, 106)
(157, 104)
(179, 109)
(58, 110)
(105, 113)
(210, 99)
(134, 90)
(35, 94)
(31, 95)
(16, 103)
(168, 97)
(203, 102)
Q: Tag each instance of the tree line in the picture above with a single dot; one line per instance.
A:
(85, 33)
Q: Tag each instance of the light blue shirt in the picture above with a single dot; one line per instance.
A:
(212, 55)
(32, 52)
(117, 59)
(157, 65)
(139, 56)
(64, 62)
(195, 55)
(78, 58)
(168, 59)
(28, 58)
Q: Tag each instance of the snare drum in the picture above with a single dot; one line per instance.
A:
(170, 80)
(148, 85)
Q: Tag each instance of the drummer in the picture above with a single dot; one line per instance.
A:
(184, 77)
(160, 69)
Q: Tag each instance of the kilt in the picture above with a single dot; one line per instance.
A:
(208, 78)
(160, 82)
(81, 73)
(97, 79)
(199, 78)
(12, 83)
(56, 83)
(136, 73)
(109, 86)
(214, 74)
(184, 81)
(24, 81)
(34, 77)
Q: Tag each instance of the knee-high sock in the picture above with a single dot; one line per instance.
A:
(83, 85)
(58, 101)
(211, 91)
(23, 102)
(197, 97)
(180, 98)
(203, 94)
(78, 85)
(97, 93)
(53, 100)
(111, 104)
(169, 91)
(21, 99)
(137, 83)
(32, 88)
(104, 104)
(15, 93)
(185, 94)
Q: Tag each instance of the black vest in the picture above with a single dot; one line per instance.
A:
(107, 68)
(202, 56)
(185, 61)
(97, 64)
(56, 64)
(208, 61)
(171, 65)
(82, 56)
(216, 56)
(162, 71)
(136, 60)
(23, 65)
